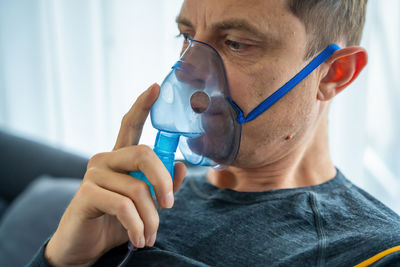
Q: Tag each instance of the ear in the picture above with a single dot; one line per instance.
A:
(343, 67)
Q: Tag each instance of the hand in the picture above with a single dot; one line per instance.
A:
(110, 206)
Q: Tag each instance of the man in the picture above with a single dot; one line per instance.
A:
(282, 201)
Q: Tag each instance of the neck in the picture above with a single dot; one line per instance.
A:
(307, 165)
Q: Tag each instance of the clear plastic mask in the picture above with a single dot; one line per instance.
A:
(194, 102)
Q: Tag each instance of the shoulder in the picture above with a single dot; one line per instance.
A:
(351, 204)
(358, 226)
(388, 257)
(380, 233)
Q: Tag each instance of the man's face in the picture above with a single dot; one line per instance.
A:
(262, 45)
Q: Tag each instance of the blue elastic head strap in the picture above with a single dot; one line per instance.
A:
(278, 94)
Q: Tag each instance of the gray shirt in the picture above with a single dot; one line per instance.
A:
(331, 224)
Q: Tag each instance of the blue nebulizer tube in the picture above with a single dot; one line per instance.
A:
(165, 147)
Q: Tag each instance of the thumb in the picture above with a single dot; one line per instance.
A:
(133, 121)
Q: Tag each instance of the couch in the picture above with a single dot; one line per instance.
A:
(34, 192)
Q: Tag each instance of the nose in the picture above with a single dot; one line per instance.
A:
(195, 66)
(188, 73)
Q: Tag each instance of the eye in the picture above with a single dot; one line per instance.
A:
(184, 35)
(235, 46)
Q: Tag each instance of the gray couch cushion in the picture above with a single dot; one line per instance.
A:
(22, 160)
(3, 206)
(32, 217)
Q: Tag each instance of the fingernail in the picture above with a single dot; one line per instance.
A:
(151, 240)
(152, 86)
(169, 200)
(136, 242)
(141, 242)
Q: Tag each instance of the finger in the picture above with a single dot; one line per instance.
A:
(133, 121)
(100, 200)
(139, 192)
(140, 158)
(179, 175)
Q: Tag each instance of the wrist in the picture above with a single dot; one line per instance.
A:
(49, 256)
(54, 256)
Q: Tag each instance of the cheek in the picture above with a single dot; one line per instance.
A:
(265, 139)
(250, 85)
(294, 113)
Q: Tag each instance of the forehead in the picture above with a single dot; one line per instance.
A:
(267, 15)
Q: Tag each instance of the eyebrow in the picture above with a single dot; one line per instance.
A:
(231, 24)
(183, 21)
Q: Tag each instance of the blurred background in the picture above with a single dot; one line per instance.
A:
(70, 69)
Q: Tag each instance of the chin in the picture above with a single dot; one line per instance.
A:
(257, 156)
(246, 159)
